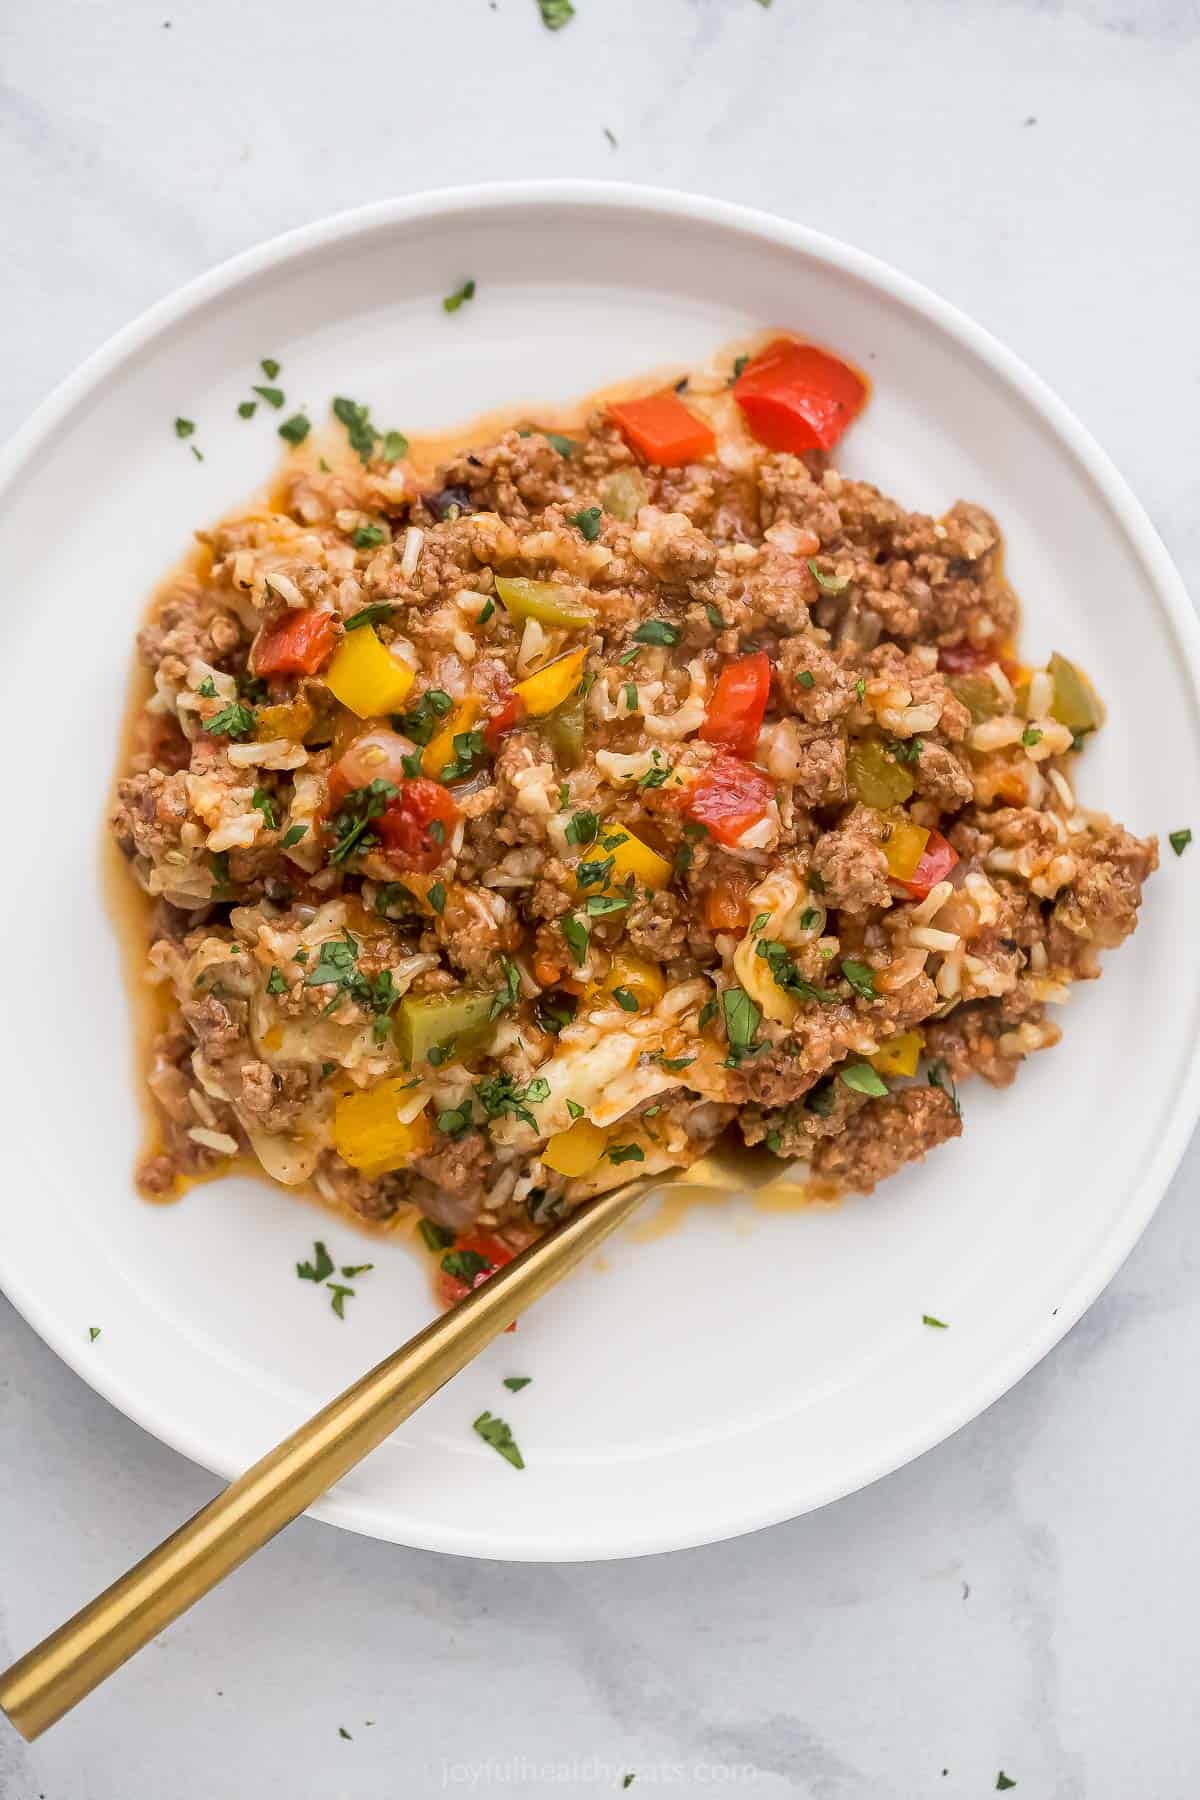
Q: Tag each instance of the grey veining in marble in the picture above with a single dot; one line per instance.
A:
(1023, 1598)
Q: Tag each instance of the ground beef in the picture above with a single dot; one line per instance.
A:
(657, 925)
(1099, 908)
(885, 1135)
(852, 864)
(943, 776)
(453, 1179)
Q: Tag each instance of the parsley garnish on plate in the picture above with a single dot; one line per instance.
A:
(574, 1110)
(367, 537)
(622, 1153)
(343, 1733)
(321, 1266)
(514, 1383)
(93, 1333)
(828, 584)
(340, 1296)
(863, 1079)
(939, 1324)
(581, 828)
(1179, 840)
(352, 821)
(272, 395)
(500, 1094)
(742, 1019)
(295, 429)
(1004, 1781)
(247, 409)
(352, 1270)
(861, 977)
(498, 1433)
(184, 428)
(556, 14)
(292, 835)
(1031, 736)
(275, 983)
(437, 1237)
(624, 999)
(466, 291)
(806, 678)
(576, 934)
(270, 367)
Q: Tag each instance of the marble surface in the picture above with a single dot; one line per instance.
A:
(1023, 1597)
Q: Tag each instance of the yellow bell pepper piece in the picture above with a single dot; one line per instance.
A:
(904, 849)
(899, 1055)
(368, 1134)
(440, 749)
(632, 857)
(366, 677)
(575, 1151)
(637, 976)
(292, 720)
(542, 692)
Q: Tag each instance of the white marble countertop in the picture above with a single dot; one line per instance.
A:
(1022, 1598)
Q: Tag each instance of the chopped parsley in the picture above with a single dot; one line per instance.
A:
(659, 774)
(629, 656)
(351, 1270)
(1004, 1781)
(554, 1012)
(860, 687)
(437, 1237)
(631, 697)
(1031, 736)
(786, 975)
(343, 1733)
(392, 896)
(352, 821)
(757, 925)
(774, 1143)
(359, 429)
(582, 827)
(321, 1266)
(564, 445)
(861, 977)
(627, 1781)
(588, 522)
(275, 982)
(340, 1296)
(292, 835)
(184, 428)
(742, 1019)
(263, 803)
(623, 1153)
(576, 934)
(574, 1110)
(624, 999)
(468, 748)
(270, 367)
(247, 409)
(379, 612)
(295, 429)
(672, 1064)
(500, 1094)
(453, 301)
(816, 881)
(940, 1077)
(337, 967)
(93, 1333)
(395, 445)
(1179, 840)
(828, 584)
(597, 905)
(861, 1078)
(739, 363)
(806, 678)
(465, 1266)
(714, 617)
(510, 993)
(657, 631)
(594, 874)
(437, 897)
(908, 750)
(708, 1011)
(207, 689)
(272, 395)
(514, 1383)
(938, 1324)
(234, 721)
(454, 1120)
(495, 1431)
(821, 1099)
(368, 536)
(808, 918)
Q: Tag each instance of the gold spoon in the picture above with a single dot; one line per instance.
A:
(56, 1674)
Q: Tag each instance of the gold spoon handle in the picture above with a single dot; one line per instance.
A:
(56, 1674)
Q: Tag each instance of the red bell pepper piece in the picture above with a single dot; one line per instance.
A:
(511, 712)
(729, 797)
(735, 712)
(796, 397)
(661, 429)
(937, 860)
(495, 1253)
(403, 828)
(297, 644)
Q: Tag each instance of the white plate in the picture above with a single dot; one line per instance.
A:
(744, 1367)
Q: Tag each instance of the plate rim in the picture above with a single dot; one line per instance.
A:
(18, 455)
